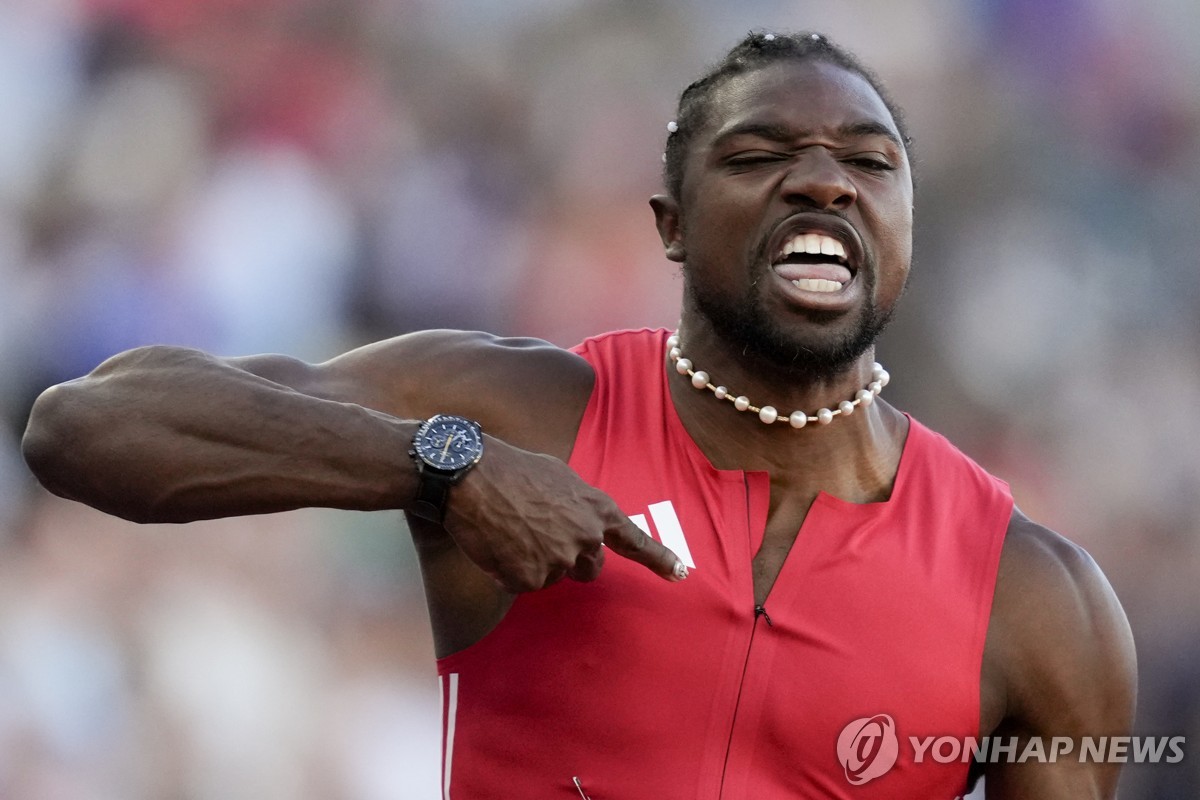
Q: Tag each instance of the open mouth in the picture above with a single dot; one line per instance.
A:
(814, 262)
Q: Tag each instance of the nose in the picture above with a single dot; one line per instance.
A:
(816, 179)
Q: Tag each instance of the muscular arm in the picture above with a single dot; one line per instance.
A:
(167, 434)
(171, 435)
(1059, 663)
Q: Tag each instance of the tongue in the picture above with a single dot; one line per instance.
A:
(830, 272)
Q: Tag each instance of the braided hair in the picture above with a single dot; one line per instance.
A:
(757, 50)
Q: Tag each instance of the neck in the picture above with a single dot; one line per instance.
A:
(785, 387)
(853, 457)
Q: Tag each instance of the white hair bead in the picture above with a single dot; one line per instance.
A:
(672, 126)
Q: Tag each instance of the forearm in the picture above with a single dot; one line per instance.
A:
(171, 435)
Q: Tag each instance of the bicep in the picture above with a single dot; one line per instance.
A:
(525, 391)
(1069, 664)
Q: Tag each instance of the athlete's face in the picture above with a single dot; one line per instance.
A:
(794, 157)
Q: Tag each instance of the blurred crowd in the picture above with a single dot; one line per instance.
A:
(304, 176)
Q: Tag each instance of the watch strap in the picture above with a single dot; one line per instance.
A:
(432, 494)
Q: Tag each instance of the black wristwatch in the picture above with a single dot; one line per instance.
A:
(445, 448)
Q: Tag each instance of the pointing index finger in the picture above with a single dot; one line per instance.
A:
(626, 539)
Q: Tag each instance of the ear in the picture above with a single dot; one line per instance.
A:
(666, 219)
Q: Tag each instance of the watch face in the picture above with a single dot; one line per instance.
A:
(449, 443)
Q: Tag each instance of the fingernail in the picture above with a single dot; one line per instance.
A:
(679, 571)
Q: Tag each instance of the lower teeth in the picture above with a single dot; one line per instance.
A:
(816, 285)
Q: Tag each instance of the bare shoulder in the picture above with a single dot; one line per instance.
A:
(526, 391)
(1059, 659)
(1066, 647)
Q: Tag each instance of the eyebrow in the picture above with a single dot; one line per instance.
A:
(782, 134)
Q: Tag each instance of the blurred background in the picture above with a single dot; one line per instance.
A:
(304, 176)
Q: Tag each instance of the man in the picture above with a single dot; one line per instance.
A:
(841, 581)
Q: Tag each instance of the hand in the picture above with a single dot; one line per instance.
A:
(446, 450)
(528, 520)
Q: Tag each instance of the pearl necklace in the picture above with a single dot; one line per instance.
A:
(797, 419)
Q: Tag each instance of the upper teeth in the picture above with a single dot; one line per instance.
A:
(816, 244)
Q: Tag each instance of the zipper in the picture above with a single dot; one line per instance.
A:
(760, 612)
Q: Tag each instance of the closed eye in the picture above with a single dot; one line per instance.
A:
(872, 164)
(751, 159)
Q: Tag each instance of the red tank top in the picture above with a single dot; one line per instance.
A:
(639, 688)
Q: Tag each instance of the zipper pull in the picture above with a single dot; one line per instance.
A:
(760, 610)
